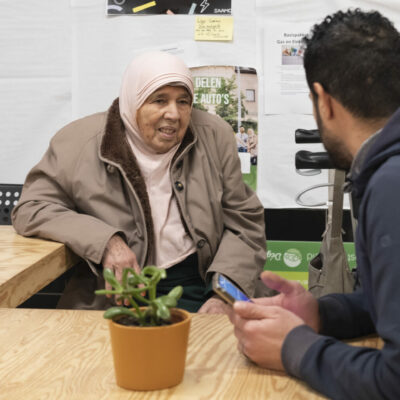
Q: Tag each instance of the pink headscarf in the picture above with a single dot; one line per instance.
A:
(144, 75)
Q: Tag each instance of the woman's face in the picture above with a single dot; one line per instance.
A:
(164, 117)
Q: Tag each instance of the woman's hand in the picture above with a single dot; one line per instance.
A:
(117, 257)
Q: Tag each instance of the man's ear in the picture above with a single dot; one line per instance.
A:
(324, 101)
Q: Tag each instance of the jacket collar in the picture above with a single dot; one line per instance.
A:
(358, 162)
(386, 144)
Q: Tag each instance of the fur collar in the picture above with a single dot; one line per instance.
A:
(116, 149)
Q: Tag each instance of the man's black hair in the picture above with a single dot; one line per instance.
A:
(355, 56)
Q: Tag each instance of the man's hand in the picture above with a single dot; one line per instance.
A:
(261, 327)
(214, 306)
(261, 330)
(117, 257)
(292, 297)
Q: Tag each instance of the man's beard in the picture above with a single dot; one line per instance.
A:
(340, 156)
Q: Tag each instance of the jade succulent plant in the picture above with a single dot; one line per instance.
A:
(140, 290)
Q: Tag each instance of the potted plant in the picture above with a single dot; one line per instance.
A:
(148, 343)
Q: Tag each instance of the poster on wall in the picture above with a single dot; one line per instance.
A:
(171, 7)
(231, 92)
(285, 81)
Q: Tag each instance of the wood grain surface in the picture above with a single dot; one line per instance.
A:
(66, 354)
(28, 264)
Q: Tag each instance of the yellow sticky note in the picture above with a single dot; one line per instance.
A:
(213, 28)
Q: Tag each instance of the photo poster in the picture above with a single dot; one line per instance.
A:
(171, 7)
(217, 90)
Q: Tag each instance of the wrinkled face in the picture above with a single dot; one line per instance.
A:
(338, 152)
(164, 117)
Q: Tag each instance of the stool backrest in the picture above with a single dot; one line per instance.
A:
(9, 196)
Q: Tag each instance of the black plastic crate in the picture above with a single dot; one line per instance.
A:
(9, 196)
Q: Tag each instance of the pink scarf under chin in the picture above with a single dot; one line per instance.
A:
(144, 75)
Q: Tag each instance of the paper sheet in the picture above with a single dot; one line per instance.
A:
(286, 90)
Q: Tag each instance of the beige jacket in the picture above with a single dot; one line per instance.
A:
(87, 187)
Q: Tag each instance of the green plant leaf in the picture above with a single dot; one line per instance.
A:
(111, 279)
(168, 301)
(125, 275)
(134, 280)
(162, 310)
(132, 291)
(176, 292)
(158, 308)
(150, 271)
(154, 273)
(104, 291)
(112, 312)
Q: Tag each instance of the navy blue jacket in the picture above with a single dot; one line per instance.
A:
(330, 366)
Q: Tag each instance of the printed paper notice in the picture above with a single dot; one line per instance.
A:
(214, 28)
(286, 89)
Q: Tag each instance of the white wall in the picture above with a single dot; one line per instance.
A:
(63, 59)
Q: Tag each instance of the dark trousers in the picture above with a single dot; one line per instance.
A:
(186, 274)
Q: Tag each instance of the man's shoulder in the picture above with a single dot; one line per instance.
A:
(387, 176)
(382, 194)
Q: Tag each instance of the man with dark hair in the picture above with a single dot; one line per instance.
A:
(352, 63)
(355, 56)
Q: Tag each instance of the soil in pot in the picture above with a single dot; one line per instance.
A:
(127, 320)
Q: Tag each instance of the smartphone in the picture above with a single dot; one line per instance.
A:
(227, 290)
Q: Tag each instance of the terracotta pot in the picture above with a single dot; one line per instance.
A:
(150, 358)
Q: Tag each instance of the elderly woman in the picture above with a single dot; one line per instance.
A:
(151, 181)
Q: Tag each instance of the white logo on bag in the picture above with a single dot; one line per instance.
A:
(292, 258)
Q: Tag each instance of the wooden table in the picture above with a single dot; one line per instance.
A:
(66, 354)
(28, 264)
